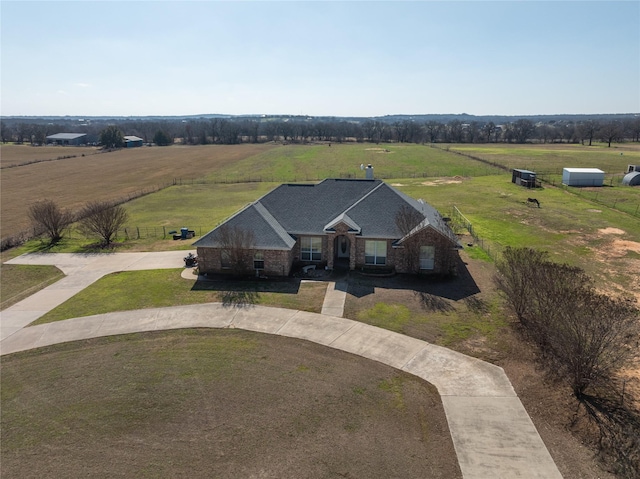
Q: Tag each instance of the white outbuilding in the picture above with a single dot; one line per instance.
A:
(582, 177)
(631, 179)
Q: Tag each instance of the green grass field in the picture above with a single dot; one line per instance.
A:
(551, 158)
(315, 162)
(19, 281)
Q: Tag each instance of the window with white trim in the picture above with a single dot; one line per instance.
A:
(427, 257)
(311, 248)
(375, 252)
(258, 260)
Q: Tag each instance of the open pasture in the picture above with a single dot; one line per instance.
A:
(12, 155)
(316, 162)
(107, 176)
(548, 159)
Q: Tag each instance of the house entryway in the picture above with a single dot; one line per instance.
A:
(342, 251)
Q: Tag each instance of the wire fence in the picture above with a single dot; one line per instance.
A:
(164, 232)
(461, 222)
(147, 232)
(434, 172)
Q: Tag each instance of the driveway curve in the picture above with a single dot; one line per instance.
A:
(492, 433)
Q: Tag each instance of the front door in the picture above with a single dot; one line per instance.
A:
(342, 247)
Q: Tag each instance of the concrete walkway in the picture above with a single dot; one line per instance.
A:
(492, 433)
(334, 299)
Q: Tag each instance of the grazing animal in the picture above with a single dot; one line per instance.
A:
(533, 200)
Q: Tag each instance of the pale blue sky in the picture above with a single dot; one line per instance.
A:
(342, 58)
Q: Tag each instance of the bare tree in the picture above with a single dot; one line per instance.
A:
(407, 219)
(611, 131)
(102, 219)
(433, 129)
(6, 132)
(514, 279)
(593, 338)
(584, 336)
(588, 129)
(489, 130)
(237, 246)
(523, 130)
(47, 216)
(633, 126)
(473, 132)
(454, 132)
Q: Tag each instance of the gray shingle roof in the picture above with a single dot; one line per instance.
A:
(366, 206)
(268, 233)
(306, 209)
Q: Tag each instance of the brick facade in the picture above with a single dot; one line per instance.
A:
(276, 262)
(402, 259)
(445, 256)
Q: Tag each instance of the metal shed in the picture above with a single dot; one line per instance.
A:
(631, 179)
(67, 138)
(132, 141)
(582, 177)
(524, 178)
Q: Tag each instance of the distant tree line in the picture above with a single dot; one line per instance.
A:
(235, 130)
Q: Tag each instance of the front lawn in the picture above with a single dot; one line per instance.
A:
(161, 288)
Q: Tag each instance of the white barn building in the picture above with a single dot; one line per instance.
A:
(582, 177)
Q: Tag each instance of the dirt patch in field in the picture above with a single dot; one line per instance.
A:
(591, 210)
(378, 150)
(611, 231)
(618, 256)
(443, 181)
(621, 247)
(217, 403)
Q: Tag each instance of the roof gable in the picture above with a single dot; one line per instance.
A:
(344, 219)
(268, 233)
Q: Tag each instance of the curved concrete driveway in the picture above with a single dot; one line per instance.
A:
(81, 270)
(492, 433)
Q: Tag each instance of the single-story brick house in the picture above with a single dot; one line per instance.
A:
(352, 222)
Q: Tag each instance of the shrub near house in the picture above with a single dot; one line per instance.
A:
(357, 223)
